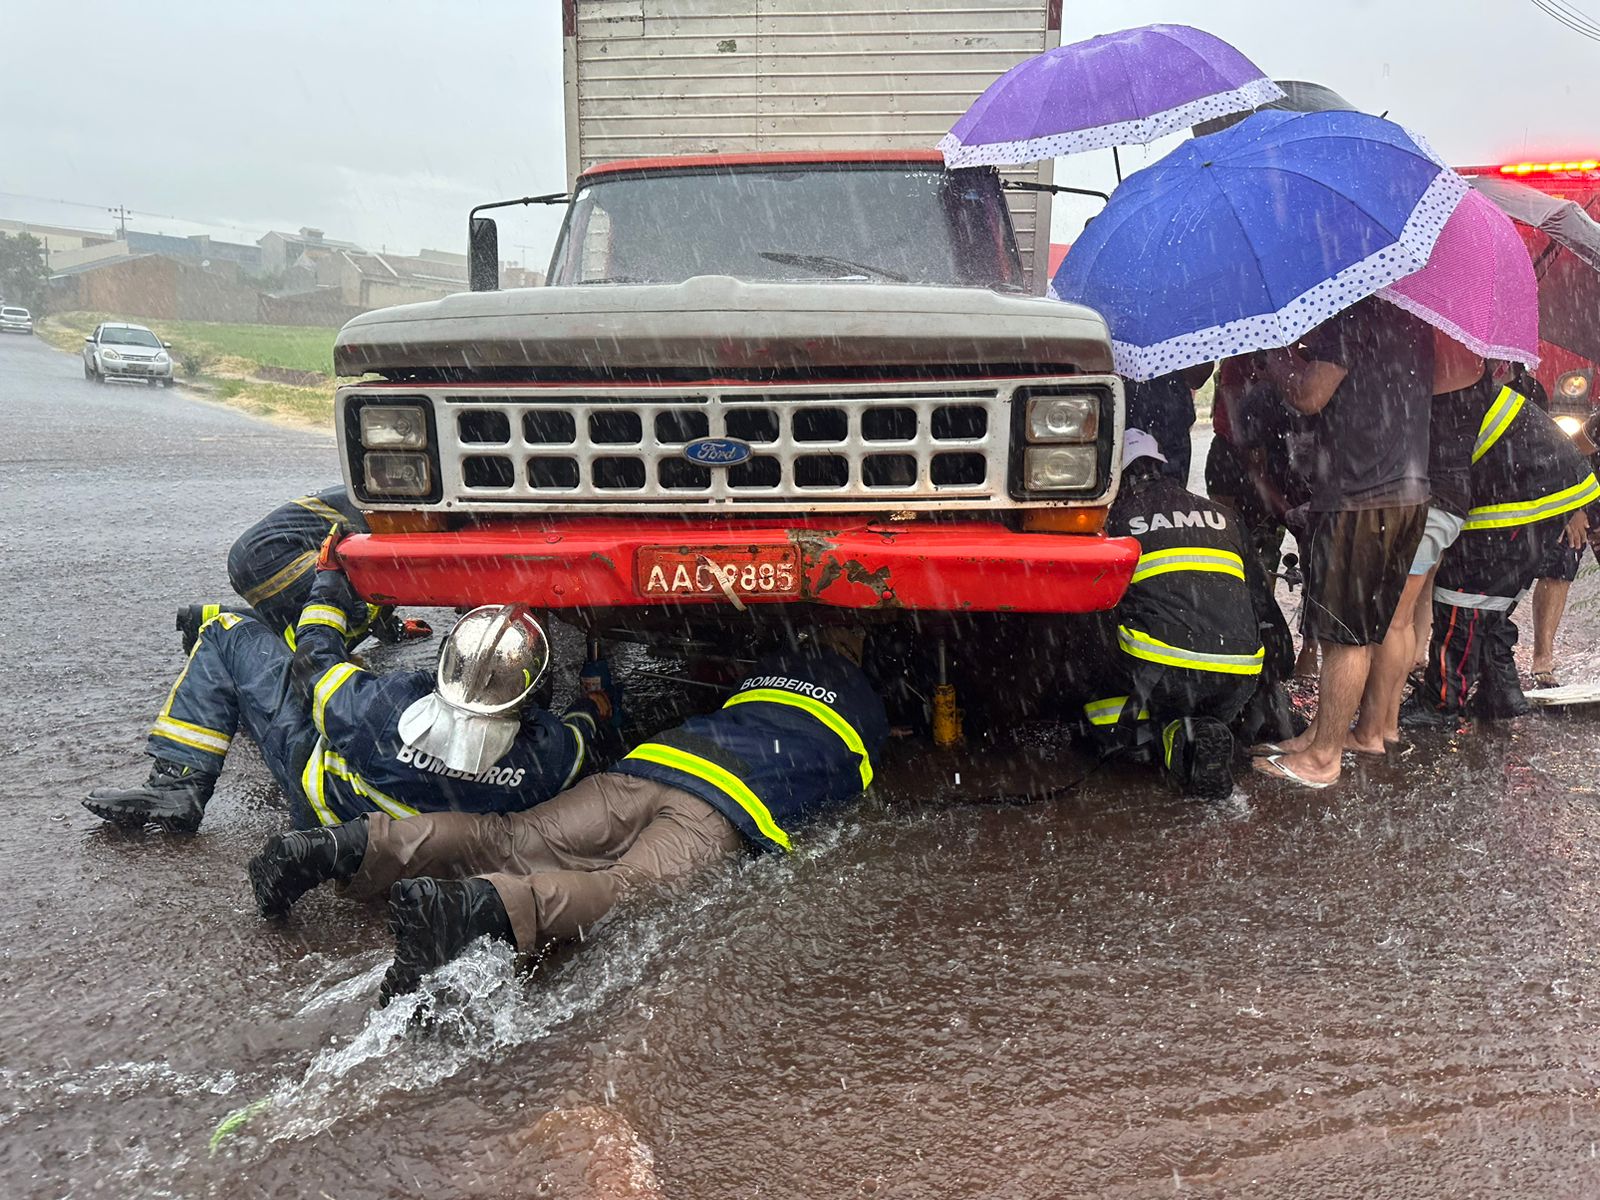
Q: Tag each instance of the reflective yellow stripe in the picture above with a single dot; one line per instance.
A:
(195, 730)
(1142, 645)
(227, 621)
(334, 678)
(322, 614)
(819, 710)
(1168, 735)
(1526, 512)
(1496, 421)
(1188, 558)
(335, 764)
(312, 781)
(209, 613)
(281, 580)
(332, 515)
(724, 781)
(1109, 711)
(195, 736)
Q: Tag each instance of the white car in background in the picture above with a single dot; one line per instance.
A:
(15, 320)
(118, 351)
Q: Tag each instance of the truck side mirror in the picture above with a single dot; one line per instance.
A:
(483, 255)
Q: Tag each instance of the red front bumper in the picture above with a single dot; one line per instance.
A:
(973, 566)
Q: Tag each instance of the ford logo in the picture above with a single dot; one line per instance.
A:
(717, 452)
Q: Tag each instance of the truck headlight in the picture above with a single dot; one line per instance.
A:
(1574, 385)
(1063, 418)
(1569, 424)
(397, 474)
(394, 427)
(1051, 468)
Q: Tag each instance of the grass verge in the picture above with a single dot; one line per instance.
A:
(222, 361)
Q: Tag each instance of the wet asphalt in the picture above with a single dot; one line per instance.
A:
(1386, 989)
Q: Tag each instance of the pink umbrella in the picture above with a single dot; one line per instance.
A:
(1478, 286)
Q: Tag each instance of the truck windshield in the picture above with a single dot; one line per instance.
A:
(865, 223)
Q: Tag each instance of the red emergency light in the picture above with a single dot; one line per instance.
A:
(1587, 167)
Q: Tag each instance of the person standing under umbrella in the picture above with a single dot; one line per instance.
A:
(1369, 373)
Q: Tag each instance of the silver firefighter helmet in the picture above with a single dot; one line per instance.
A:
(489, 665)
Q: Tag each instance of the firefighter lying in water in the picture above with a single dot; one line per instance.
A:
(341, 742)
(799, 737)
(271, 566)
(1189, 629)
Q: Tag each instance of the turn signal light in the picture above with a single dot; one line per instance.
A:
(1063, 520)
(407, 522)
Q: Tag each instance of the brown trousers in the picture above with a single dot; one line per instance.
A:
(561, 865)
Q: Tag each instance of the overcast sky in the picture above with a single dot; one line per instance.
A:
(383, 121)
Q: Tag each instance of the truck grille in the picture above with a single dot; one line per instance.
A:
(813, 447)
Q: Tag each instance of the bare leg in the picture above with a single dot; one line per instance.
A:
(1422, 620)
(1344, 677)
(1549, 602)
(1391, 662)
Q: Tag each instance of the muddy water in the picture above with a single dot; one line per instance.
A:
(1384, 989)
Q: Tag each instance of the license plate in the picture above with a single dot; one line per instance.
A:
(718, 570)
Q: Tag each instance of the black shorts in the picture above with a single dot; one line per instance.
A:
(1356, 567)
(1560, 560)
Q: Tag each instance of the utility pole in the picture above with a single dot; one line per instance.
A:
(120, 212)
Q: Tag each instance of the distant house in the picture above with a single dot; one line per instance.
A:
(202, 249)
(280, 251)
(56, 238)
(368, 280)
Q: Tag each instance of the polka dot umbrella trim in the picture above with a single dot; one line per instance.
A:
(1247, 239)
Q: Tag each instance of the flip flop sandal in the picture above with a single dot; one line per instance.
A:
(1263, 749)
(1275, 769)
(1545, 679)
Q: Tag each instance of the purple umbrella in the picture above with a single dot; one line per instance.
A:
(1118, 89)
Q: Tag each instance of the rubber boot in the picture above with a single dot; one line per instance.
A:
(173, 797)
(192, 616)
(433, 921)
(1197, 753)
(293, 863)
(1499, 696)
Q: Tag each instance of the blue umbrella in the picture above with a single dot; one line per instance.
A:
(1245, 239)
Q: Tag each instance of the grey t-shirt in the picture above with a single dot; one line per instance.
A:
(1372, 441)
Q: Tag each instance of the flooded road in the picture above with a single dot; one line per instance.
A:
(1386, 989)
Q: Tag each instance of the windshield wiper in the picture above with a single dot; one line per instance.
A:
(825, 263)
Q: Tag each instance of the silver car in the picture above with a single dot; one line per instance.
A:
(15, 320)
(118, 351)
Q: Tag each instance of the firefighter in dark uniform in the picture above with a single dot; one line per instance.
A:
(798, 739)
(1189, 629)
(341, 742)
(272, 564)
(1527, 480)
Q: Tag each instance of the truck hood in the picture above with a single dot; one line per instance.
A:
(716, 324)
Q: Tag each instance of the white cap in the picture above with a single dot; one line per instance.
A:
(1136, 444)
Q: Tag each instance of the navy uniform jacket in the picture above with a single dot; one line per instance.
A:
(799, 737)
(1194, 598)
(1524, 469)
(271, 563)
(360, 762)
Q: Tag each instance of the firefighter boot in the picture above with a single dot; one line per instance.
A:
(192, 616)
(174, 797)
(293, 863)
(1197, 754)
(1499, 696)
(434, 920)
